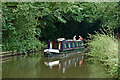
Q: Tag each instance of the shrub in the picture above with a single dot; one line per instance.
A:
(104, 47)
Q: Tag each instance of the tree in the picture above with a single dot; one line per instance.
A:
(26, 24)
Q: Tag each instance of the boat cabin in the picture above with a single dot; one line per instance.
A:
(62, 45)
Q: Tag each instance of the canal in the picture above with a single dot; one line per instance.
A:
(37, 66)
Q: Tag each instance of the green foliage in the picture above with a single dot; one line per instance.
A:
(19, 29)
(109, 13)
(81, 18)
(104, 47)
(26, 24)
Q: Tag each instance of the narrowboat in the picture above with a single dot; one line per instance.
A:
(62, 46)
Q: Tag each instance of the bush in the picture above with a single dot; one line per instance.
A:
(104, 47)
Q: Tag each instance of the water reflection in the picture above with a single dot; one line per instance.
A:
(71, 62)
(73, 66)
(66, 63)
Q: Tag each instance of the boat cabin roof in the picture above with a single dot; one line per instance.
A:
(63, 39)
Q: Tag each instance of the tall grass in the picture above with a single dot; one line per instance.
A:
(104, 47)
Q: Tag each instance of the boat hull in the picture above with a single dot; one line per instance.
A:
(64, 52)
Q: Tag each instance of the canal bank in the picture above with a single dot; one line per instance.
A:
(10, 55)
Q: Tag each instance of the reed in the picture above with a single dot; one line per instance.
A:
(104, 47)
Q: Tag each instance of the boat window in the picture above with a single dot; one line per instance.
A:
(73, 44)
(55, 45)
(79, 43)
(76, 44)
(59, 46)
(50, 45)
(69, 45)
(64, 45)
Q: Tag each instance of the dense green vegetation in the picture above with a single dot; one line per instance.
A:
(26, 26)
(104, 47)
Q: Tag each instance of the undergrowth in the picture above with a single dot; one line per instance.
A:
(103, 46)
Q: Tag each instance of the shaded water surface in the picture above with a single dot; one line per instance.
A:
(65, 67)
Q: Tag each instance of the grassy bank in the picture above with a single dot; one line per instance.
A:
(104, 47)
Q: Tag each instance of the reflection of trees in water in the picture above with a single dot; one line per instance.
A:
(21, 67)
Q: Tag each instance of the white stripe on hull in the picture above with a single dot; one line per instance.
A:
(52, 50)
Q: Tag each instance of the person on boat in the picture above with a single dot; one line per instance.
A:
(74, 38)
(80, 38)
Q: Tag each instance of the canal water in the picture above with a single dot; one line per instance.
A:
(37, 66)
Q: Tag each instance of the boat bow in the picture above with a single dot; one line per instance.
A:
(51, 50)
